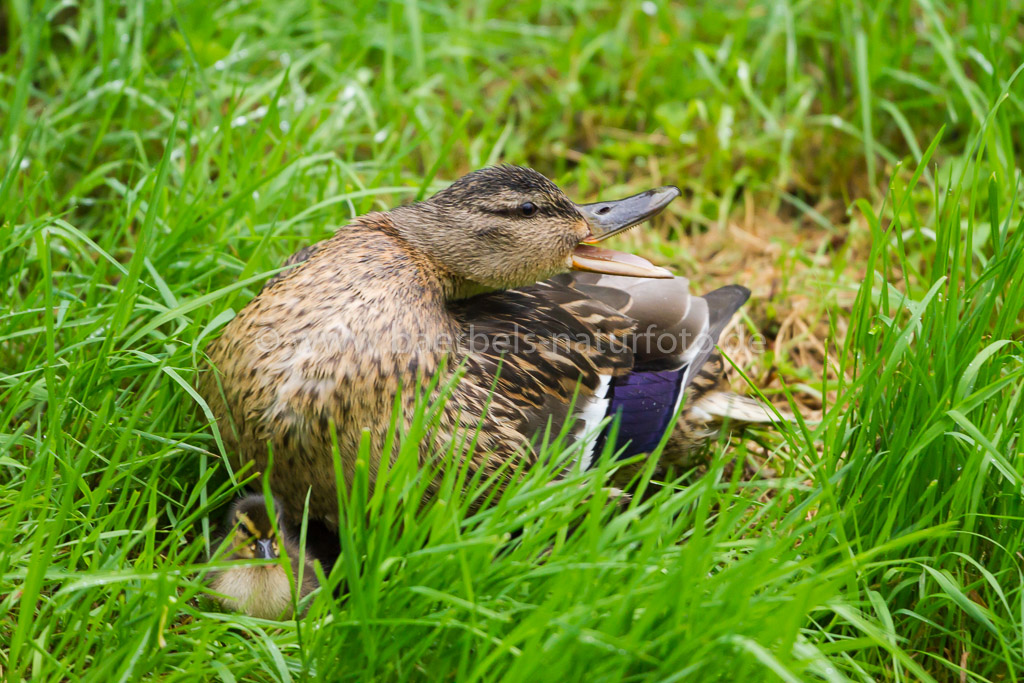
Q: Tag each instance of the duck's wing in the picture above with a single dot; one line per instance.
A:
(674, 346)
(604, 345)
(537, 351)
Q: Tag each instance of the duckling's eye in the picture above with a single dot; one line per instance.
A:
(527, 209)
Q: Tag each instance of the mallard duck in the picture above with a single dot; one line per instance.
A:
(264, 590)
(497, 277)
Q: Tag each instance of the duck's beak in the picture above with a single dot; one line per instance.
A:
(610, 218)
(265, 549)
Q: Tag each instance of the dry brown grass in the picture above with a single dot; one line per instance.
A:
(803, 281)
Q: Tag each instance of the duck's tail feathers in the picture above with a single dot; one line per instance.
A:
(719, 406)
(722, 306)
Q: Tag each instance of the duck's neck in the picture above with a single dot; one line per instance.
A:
(390, 291)
(421, 227)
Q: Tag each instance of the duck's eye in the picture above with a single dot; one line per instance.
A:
(527, 209)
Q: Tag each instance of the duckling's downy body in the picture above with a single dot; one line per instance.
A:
(477, 276)
(264, 590)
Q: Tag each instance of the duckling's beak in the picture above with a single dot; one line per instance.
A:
(265, 549)
(610, 218)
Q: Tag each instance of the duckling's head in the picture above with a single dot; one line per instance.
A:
(506, 226)
(253, 532)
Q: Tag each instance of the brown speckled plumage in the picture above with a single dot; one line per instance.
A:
(393, 298)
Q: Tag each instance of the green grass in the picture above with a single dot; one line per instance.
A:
(160, 159)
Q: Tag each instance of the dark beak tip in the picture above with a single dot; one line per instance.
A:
(612, 217)
(663, 196)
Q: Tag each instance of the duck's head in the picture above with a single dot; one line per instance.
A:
(506, 226)
(253, 532)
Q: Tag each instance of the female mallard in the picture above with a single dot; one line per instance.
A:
(476, 277)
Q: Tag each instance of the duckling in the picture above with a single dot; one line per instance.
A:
(261, 591)
(498, 277)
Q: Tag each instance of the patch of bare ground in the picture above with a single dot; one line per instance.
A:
(803, 280)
